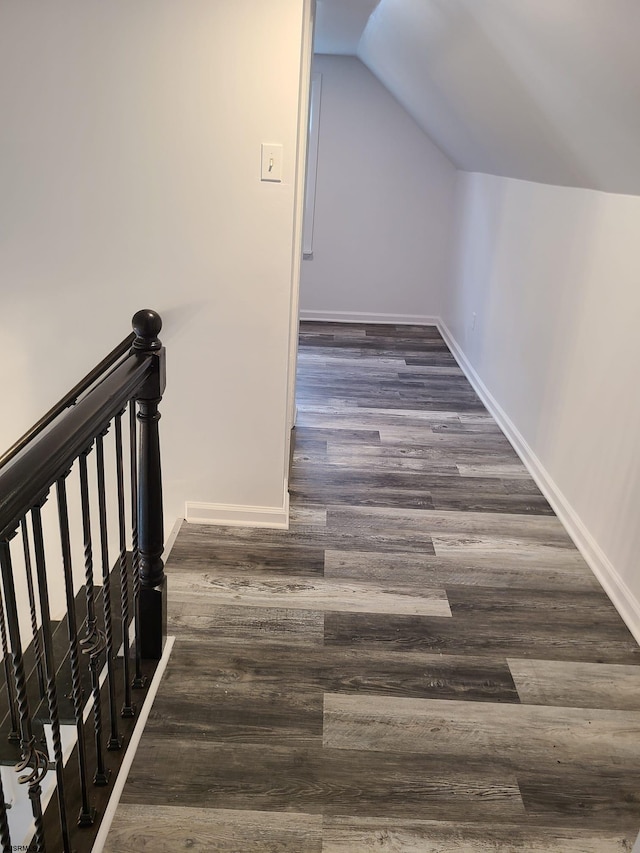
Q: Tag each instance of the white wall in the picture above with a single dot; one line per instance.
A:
(553, 276)
(384, 201)
(129, 177)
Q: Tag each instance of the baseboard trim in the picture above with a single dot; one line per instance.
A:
(171, 538)
(238, 516)
(613, 584)
(132, 746)
(368, 317)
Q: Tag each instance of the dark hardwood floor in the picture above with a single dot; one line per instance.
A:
(423, 663)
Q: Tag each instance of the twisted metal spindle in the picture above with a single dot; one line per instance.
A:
(13, 737)
(50, 670)
(88, 550)
(128, 708)
(36, 761)
(87, 812)
(139, 679)
(32, 606)
(115, 741)
(94, 641)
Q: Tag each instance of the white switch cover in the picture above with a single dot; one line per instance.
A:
(271, 163)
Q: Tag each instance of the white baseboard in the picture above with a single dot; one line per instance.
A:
(238, 516)
(613, 584)
(171, 538)
(132, 746)
(367, 317)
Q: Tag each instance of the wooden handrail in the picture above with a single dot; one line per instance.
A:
(49, 455)
(39, 458)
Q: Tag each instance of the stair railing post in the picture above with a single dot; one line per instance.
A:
(152, 597)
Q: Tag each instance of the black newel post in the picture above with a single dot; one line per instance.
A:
(153, 598)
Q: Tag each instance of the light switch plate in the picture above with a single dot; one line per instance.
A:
(271, 162)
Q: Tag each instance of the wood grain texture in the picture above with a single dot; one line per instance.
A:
(544, 531)
(534, 633)
(303, 594)
(387, 835)
(263, 669)
(195, 617)
(577, 685)
(607, 799)
(197, 539)
(422, 663)
(586, 739)
(167, 829)
(319, 781)
(560, 572)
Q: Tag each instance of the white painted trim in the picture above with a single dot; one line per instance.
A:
(615, 586)
(171, 538)
(312, 165)
(237, 515)
(368, 317)
(125, 767)
(306, 57)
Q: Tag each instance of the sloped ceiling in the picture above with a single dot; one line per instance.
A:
(542, 90)
(340, 23)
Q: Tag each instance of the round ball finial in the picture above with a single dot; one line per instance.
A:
(147, 325)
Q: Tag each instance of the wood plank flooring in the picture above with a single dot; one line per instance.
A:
(422, 663)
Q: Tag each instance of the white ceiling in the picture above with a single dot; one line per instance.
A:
(543, 90)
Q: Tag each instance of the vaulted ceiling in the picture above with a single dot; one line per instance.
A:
(542, 90)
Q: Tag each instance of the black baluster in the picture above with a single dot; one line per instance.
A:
(13, 737)
(50, 671)
(32, 606)
(139, 679)
(153, 603)
(115, 742)
(94, 642)
(128, 708)
(36, 761)
(87, 812)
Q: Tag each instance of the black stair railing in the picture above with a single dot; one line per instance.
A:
(78, 673)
